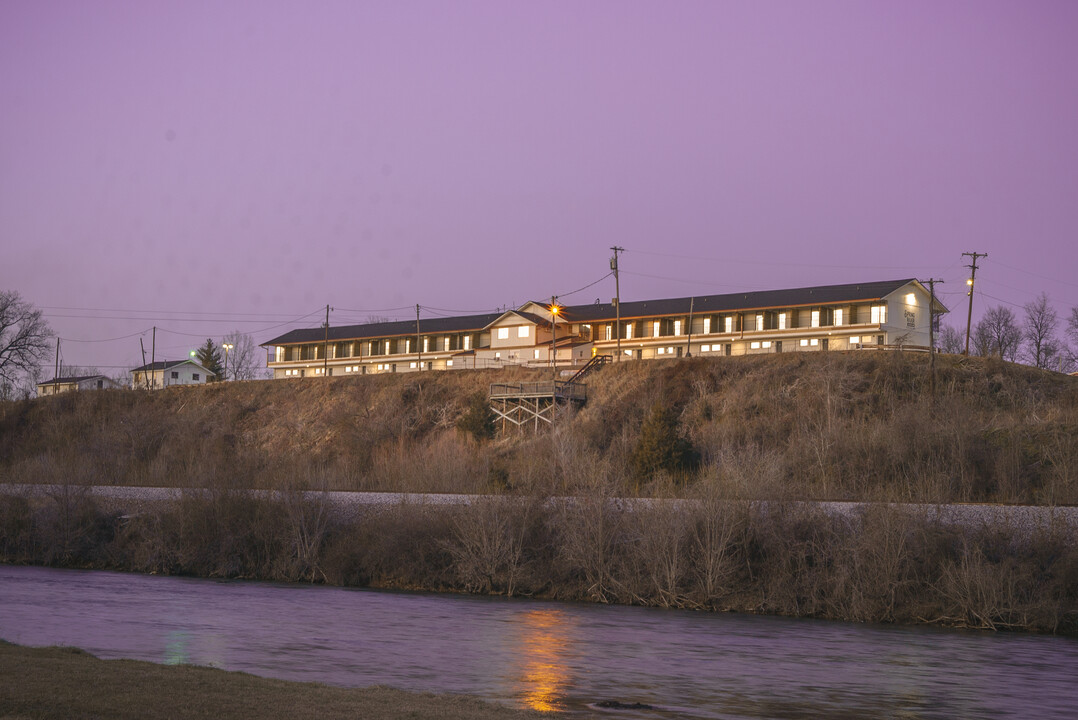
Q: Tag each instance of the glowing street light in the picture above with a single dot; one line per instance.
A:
(227, 347)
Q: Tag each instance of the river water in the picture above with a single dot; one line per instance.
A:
(546, 655)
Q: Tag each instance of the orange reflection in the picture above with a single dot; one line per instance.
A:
(545, 670)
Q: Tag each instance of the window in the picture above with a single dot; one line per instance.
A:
(754, 345)
(497, 356)
(609, 332)
(662, 351)
(879, 314)
(449, 363)
(629, 331)
(385, 347)
(729, 323)
(655, 328)
(759, 322)
(814, 342)
(411, 365)
(175, 375)
(911, 299)
(503, 333)
(782, 321)
(855, 340)
(535, 353)
(467, 342)
(815, 318)
(804, 342)
(838, 316)
(677, 327)
(523, 331)
(446, 343)
(194, 376)
(426, 344)
(766, 344)
(707, 326)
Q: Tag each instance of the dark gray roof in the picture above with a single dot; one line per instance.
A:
(701, 305)
(68, 380)
(706, 304)
(399, 328)
(165, 365)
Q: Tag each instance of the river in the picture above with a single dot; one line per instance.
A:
(547, 655)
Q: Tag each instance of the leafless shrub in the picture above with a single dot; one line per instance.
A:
(488, 542)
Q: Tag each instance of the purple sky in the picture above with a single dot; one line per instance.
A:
(162, 162)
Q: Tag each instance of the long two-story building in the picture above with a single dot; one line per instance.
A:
(876, 315)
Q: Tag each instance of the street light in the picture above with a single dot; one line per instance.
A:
(554, 311)
(227, 347)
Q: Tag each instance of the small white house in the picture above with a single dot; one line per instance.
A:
(73, 384)
(166, 373)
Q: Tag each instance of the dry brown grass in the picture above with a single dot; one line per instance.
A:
(858, 426)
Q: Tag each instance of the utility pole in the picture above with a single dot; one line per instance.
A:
(145, 382)
(325, 347)
(418, 346)
(617, 297)
(688, 343)
(932, 335)
(56, 370)
(153, 359)
(972, 275)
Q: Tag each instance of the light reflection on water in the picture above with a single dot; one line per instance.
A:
(547, 656)
(544, 672)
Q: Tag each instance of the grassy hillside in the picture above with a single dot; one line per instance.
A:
(826, 425)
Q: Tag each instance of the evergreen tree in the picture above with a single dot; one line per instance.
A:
(209, 357)
(661, 446)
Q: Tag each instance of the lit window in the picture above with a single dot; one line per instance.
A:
(446, 344)
(426, 344)
(629, 331)
(759, 322)
(815, 318)
(838, 316)
(385, 345)
(503, 333)
(411, 365)
(523, 331)
(669, 351)
(662, 351)
(705, 348)
(609, 332)
(449, 363)
(911, 299)
(535, 353)
(729, 323)
(814, 342)
(408, 345)
(879, 314)
(755, 345)
(707, 326)
(348, 369)
(497, 356)
(767, 344)
(280, 354)
(677, 327)
(655, 328)
(467, 342)
(804, 342)
(782, 321)
(855, 340)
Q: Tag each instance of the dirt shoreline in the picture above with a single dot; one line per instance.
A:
(62, 683)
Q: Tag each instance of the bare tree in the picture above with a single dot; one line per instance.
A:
(998, 334)
(245, 362)
(1042, 347)
(24, 338)
(949, 340)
